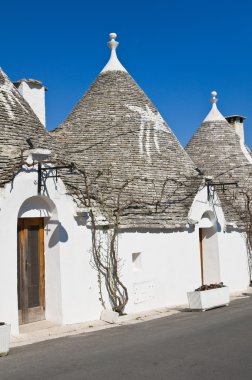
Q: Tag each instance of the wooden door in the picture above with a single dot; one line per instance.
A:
(201, 255)
(31, 272)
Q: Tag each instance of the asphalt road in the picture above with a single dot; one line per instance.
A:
(215, 344)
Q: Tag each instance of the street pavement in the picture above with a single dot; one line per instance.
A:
(216, 344)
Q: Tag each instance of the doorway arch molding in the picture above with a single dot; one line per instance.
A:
(38, 207)
(44, 208)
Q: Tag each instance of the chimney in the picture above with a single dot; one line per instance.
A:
(236, 121)
(33, 91)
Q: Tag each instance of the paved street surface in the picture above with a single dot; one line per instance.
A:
(216, 344)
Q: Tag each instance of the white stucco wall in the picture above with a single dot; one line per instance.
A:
(231, 244)
(234, 261)
(167, 266)
(170, 267)
(68, 295)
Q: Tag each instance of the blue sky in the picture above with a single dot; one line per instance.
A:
(177, 51)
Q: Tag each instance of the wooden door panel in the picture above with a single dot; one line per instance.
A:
(201, 255)
(31, 269)
(32, 266)
(19, 264)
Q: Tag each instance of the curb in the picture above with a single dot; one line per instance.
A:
(41, 334)
(57, 331)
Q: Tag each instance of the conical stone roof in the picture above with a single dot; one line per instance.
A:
(116, 129)
(218, 152)
(17, 124)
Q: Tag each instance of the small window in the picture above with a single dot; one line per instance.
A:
(137, 261)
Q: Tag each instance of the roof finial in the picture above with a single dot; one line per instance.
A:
(214, 114)
(113, 63)
(214, 99)
(113, 43)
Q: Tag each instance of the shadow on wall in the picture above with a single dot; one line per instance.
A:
(36, 207)
(43, 207)
(59, 235)
(212, 222)
(210, 232)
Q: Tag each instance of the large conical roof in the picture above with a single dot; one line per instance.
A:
(218, 151)
(115, 126)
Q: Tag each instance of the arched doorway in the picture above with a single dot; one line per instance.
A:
(209, 250)
(32, 218)
(31, 270)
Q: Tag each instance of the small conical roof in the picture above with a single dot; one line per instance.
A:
(215, 147)
(17, 124)
(116, 126)
(218, 152)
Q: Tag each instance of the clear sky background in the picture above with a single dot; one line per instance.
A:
(177, 51)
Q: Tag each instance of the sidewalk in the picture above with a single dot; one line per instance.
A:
(45, 330)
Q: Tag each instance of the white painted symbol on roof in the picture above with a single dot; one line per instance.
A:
(9, 96)
(151, 124)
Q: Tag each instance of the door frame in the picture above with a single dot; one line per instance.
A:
(201, 255)
(26, 314)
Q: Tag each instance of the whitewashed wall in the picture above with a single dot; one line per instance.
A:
(159, 268)
(169, 267)
(234, 261)
(165, 264)
(231, 243)
(70, 284)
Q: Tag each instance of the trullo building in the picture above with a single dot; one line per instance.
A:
(111, 185)
(219, 150)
